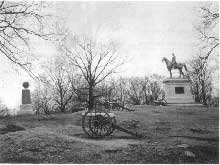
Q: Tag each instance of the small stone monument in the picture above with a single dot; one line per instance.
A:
(26, 106)
(177, 89)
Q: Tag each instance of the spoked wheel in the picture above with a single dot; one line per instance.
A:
(98, 124)
(113, 120)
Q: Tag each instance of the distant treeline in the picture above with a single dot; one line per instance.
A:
(69, 94)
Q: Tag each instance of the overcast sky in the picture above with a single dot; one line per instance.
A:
(145, 31)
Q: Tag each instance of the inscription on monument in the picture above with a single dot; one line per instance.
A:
(179, 90)
(26, 97)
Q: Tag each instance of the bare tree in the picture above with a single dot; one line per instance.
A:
(135, 90)
(121, 91)
(77, 83)
(155, 90)
(156, 86)
(117, 90)
(105, 89)
(42, 99)
(200, 76)
(200, 72)
(4, 111)
(146, 90)
(62, 87)
(95, 60)
(19, 22)
(208, 28)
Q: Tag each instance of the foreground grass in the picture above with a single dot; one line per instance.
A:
(171, 133)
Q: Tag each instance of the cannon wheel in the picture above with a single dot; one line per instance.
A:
(98, 124)
(113, 120)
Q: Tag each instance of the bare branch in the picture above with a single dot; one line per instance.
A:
(209, 52)
(206, 28)
(15, 34)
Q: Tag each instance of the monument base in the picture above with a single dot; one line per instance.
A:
(26, 109)
(177, 91)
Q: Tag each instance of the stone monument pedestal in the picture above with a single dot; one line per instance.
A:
(26, 109)
(26, 106)
(177, 91)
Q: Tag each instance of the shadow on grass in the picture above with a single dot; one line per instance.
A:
(11, 128)
(200, 131)
(206, 154)
(110, 137)
(199, 138)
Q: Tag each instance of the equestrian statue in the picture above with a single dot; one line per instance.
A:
(174, 65)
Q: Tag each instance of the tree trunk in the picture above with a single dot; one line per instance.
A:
(91, 97)
(62, 108)
(203, 93)
(196, 93)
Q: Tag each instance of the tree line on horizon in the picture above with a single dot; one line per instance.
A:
(73, 93)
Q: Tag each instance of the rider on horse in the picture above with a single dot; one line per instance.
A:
(174, 65)
(173, 61)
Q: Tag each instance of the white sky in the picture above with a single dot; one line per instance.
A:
(146, 31)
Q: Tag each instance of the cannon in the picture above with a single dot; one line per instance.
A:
(100, 123)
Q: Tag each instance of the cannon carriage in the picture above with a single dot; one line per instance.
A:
(100, 121)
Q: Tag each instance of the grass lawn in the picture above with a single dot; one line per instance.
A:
(172, 135)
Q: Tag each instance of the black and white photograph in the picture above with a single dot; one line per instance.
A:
(109, 82)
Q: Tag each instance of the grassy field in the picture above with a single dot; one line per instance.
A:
(172, 135)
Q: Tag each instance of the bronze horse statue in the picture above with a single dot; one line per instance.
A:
(178, 66)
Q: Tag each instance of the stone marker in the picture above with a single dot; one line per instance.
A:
(26, 106)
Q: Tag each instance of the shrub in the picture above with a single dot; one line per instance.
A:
(4, 111)
(214, 102)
